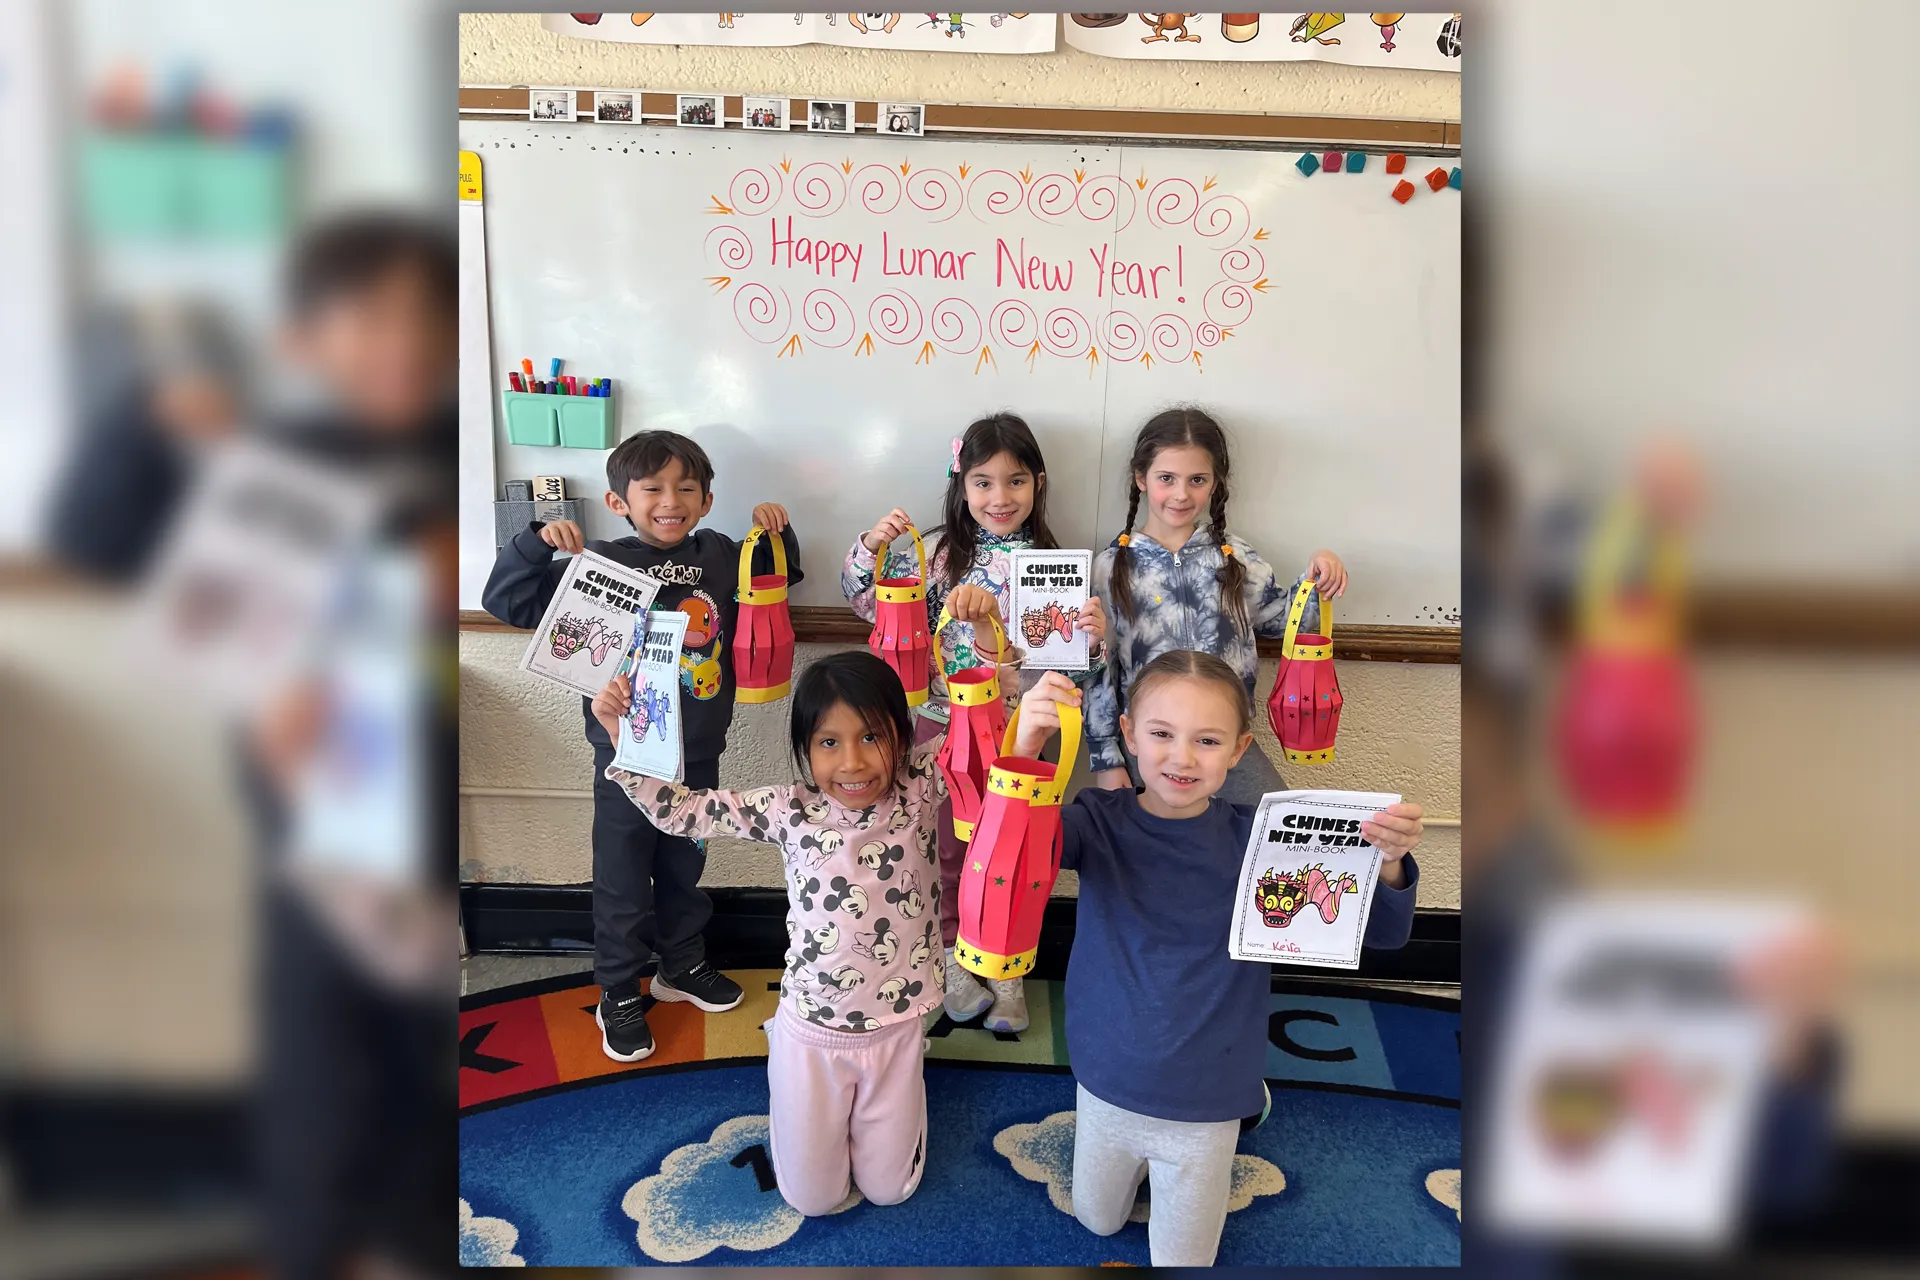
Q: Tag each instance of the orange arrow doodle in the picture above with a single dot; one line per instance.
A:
(986, 357)
(963, 170)
(719, 283)
(1093, 358)
(904, 167)
(846, 166)
(786, 165)
(926, 354)
(1079, 176)
(1146, 358)
(1208, 185)
(1261, 234)
(717, 206)
(1033, 353)
(1261, 284)
(793, 345)
(1141, 181)
(866, 345)
(1226, 333)
(1196, 362)
(1026, 174)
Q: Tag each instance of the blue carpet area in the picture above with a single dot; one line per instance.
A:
(563, 1169)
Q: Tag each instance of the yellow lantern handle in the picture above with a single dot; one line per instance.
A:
(1606, 564)
(1069, 741)
(779, 546)
(919, 552)
(1297, 611)
(946, 616)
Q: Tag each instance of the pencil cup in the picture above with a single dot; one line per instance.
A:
(532, 419)
(586, 422)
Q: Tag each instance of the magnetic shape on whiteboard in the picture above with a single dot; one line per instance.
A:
(1396, 162)
(1403, 191)
(1436, 179)
(1453, 179)
(1356, 161)
(1308, 165)
(1331, 161)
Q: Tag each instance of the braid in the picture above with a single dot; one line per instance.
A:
(1122, 585)
(1233, 573)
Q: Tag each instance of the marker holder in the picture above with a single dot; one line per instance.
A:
(574, 422)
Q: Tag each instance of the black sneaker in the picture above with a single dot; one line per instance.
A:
(624, 1036)
(702, 986)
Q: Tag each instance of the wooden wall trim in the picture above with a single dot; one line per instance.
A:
(818, 624)
(497, 102)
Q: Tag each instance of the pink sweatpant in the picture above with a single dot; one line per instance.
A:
(845, 1105)
(953, 851)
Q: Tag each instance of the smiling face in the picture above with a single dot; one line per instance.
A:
(1000, 493)
(1178, 486)
(850, 762)
(665, 506)
(1186, 734)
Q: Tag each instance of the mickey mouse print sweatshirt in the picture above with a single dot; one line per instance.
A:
(863, 885)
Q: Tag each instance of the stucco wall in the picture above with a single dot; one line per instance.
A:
(511, 48)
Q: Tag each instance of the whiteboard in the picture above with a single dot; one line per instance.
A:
(1316, 318)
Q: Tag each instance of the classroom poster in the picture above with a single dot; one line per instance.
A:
(650, 737)
(1307, 881)
(924, 32)
(1628, 1085)
(589, 625)
(1426, 41)
(1049, 595)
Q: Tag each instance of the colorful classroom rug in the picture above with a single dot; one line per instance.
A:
(570, 1159)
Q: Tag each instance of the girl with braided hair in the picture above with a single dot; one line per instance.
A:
(1181, 582)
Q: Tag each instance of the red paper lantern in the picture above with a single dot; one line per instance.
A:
(976, 718)
(1014, 857)
(900, 624)
(1304, 707)
(763, 635)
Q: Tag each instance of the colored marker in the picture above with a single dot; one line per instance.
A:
(526, 367)
(573, 386)
(514, 378)
(553, 370)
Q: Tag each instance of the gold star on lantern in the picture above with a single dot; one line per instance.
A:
(978, 867)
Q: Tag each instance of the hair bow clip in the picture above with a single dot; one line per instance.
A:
(953, 467)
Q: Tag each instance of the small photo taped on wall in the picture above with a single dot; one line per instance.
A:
(764, 113)
(903, 119)
(829, 116)
(550, 104)
(699, 110)
(613, 108)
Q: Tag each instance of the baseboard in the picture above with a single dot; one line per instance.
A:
(748, 931)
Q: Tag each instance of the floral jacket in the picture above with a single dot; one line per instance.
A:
(992, 568)
(1176, 605)
(863, 886)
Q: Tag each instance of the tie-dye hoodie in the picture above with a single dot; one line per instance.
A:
(1176, 605)
(992, 568)
(863, 885)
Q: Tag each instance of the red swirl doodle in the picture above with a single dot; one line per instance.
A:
(1245, 264)
(1013, 324)
(1170, 337)
(878, 188)
(734, 250)
(754, 191)
(1066, 332)
(1228, 303)
(820, 189)
(996, 190)
(1124, 337)
(764, 314)
(956, 326)
(1050, 197)
(935, 191)
(895, 316)
(1207, 334)
(828, 318)
(1223, 218)
(1171, 202)
(1107, 196)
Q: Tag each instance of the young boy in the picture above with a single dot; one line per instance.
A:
(647, 901)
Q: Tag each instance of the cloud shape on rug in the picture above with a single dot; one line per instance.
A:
(1043, 1153)
(487, 1242)
(709, 1195)
(1444, 1185)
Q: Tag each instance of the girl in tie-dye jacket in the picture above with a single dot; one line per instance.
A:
(1178, 583)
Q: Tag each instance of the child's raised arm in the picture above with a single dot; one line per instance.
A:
(1040, 713)
(861, 567)
(1268, 601)
(684, 811)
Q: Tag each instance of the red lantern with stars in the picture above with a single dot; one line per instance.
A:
(1014, 857)
(1304, 707)
(976, 718)
(900, 636)
(763, 634)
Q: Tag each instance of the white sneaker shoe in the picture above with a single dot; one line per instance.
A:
(1009, 1012)
(966, 998)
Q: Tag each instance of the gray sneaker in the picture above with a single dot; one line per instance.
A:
(966, 998)
(1009, 1012)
